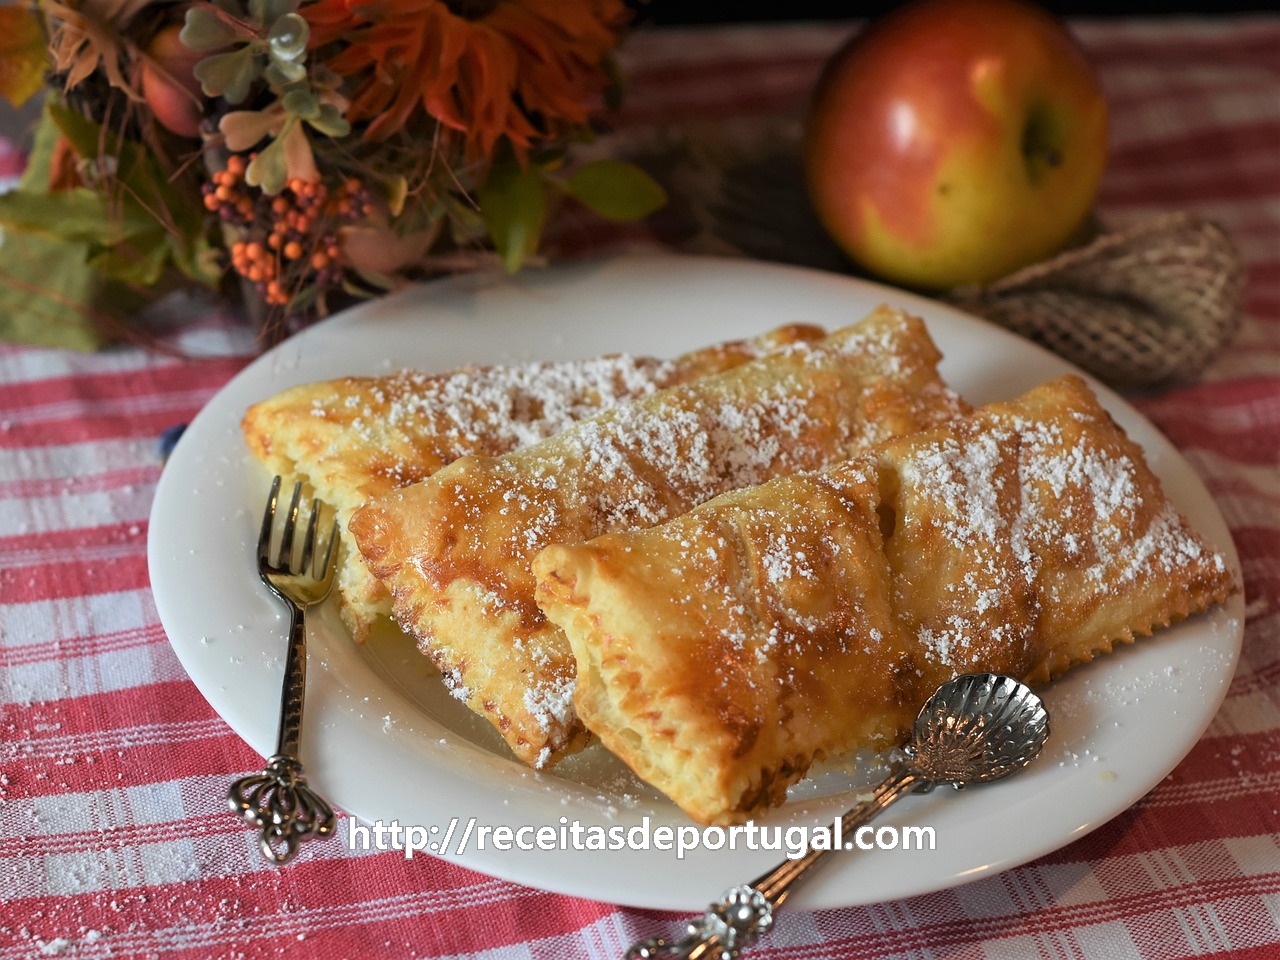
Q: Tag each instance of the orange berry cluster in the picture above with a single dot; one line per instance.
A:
(290, 239)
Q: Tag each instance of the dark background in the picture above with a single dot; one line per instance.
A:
(709, 11)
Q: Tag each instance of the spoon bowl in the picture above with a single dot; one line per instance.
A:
(977, 728)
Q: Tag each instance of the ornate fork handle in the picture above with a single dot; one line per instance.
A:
(278, 801)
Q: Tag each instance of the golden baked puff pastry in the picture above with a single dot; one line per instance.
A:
(721, 653)
(357, 438)
(455, 549)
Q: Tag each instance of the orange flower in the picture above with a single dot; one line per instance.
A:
(520, 69)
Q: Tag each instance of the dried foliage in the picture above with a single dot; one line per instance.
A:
(313, 150)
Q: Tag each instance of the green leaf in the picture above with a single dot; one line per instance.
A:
(513, 203)
(147, 186)
(205, 31)
(121, 235)
(301, 102)
(378, 282)
(35, 178)
(280, 73)
(268, 169)
(616, 190)
(287, 39)
(466, 226)
(139, 260)
(228, 75)
(85, 137)
(397, 189)
(76, 216)
(201, 260)
(330, 121)
(49, 294)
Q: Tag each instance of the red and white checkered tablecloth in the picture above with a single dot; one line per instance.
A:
(114, 838)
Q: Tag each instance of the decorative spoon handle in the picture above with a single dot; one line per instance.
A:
(976, 728)
(902, 779)
(745, 913)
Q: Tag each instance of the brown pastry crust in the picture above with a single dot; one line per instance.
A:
(455, 549)
(356, 438)
(723, 652)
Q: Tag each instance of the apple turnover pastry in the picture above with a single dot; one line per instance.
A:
(723, 652)
(357, 438)
(455, 550)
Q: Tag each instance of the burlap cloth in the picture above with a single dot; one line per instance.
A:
(1137, 307)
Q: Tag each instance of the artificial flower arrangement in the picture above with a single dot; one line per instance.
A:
(307, 151)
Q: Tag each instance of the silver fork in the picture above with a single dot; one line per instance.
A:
(278, 801)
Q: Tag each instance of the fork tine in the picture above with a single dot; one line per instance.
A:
(309, 540)
(327, 569)
(290, 524)
(268, 523)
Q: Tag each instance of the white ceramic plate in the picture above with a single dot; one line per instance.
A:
(381, 740)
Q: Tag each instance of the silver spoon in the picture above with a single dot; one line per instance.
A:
(975, 728)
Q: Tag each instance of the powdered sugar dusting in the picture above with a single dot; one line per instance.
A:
(551, 705)
(492, 409)
(651, 463)
(1075, 495)
(454, 684)
(782, 560)
(963, 478)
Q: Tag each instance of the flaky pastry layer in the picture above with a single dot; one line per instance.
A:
(723, 652)
(356, 438)
(455, 549)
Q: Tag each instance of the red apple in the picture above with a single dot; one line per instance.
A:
(168, 84)
(954, 141)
